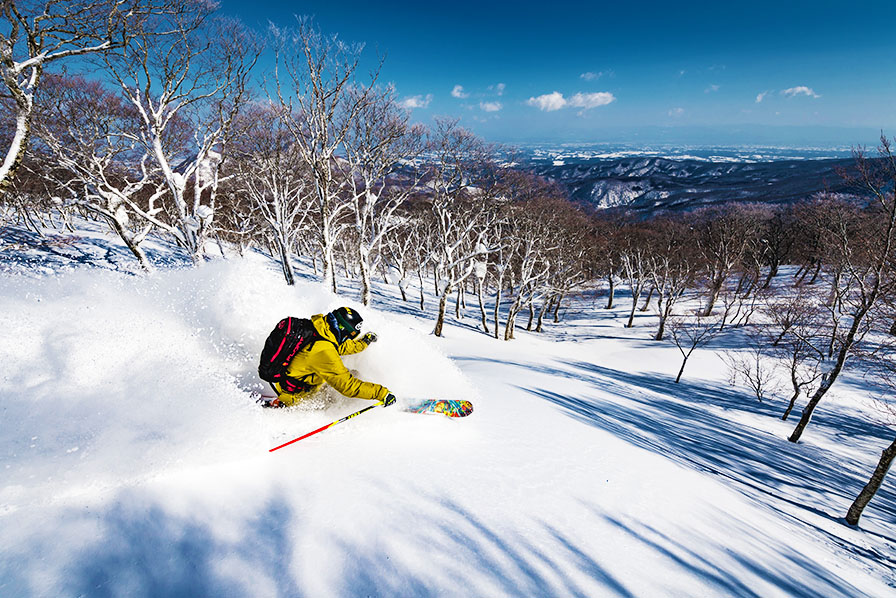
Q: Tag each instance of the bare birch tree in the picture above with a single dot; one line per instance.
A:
(778, 241)
(689, 332)
(634, 260)
(90, 133)
(380, 148)
(462, 179)
(793, 332)
(874, 483)
(272, 176)
(754, 367)
(35, 34)
(314, 77)
(529, 268)
(885, 362)
(724, 236)
(539, 236)
(672, 268)
(186, 72)
(401, 244)
(868, 266)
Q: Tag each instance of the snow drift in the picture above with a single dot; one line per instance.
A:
(116, 377)
(135, 462)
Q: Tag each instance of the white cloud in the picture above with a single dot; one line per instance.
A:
(591, 100)
(761, 97)
(550, 102)
(676, 112)
(418, 101)
(490, 106)
(800, 90)
(711, 89)
(499, 88)
(592, 76)
(458, 92)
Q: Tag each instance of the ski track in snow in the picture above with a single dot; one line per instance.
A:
(135, 462)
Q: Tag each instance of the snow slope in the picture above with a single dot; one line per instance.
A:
(135, 462)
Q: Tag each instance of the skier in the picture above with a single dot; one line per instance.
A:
(319, 362)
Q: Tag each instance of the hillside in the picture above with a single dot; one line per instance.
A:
(136, 462)
(649, 185)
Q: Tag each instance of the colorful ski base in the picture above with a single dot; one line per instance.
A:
(443, 406)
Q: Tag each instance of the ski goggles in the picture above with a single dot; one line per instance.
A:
(343, 328)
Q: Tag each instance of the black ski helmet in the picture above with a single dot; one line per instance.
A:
(345, 323)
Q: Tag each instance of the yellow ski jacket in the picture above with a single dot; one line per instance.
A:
(320, 362)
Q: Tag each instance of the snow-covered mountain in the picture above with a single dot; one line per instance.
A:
(650, 184)
(135, 462)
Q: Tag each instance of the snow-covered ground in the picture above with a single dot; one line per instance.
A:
(135, 463)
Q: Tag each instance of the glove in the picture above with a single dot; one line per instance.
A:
(369, 338)
(389, 400)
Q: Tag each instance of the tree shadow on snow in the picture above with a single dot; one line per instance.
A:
(538, 563)
(24, 249)
(152, 553)
(145, 551)
(688, 422)
(793, 574)
(480, 558)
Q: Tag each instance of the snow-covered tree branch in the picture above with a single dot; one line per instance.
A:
(186, 72)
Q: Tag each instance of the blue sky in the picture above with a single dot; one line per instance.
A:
(779, 73)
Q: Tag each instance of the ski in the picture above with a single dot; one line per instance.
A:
(446, 407)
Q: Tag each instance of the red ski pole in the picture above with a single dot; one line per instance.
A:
(321, 429)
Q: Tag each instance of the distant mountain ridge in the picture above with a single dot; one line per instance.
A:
(654, 184)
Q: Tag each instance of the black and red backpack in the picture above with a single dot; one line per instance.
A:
(290, 336)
